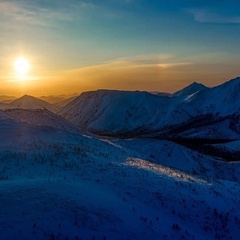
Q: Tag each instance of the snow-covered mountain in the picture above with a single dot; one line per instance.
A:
(107, 111)
(213, 113)
(42, 117)
(222, 100)
(191, 89)
(124, 112)
(128, 113)
(29, 102)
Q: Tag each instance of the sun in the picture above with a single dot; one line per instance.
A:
(21, 66)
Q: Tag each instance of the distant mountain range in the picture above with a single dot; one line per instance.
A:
(194, 112)
(7, 99)
(56, 99)
(51, 103)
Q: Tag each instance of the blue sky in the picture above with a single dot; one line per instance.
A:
(119, 44)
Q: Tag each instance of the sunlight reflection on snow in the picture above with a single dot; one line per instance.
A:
(159, 169)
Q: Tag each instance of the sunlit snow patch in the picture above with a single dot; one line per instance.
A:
(159, 169)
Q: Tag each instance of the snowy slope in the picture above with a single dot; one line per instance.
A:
(178, 157)
(222, 100)
(58, 185)
(29, 102)
(42, 117)
(110, 112)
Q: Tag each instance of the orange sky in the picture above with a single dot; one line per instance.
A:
(136, 73)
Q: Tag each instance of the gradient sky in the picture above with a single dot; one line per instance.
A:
(80, 45)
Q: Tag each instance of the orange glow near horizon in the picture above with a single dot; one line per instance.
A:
(35, 76)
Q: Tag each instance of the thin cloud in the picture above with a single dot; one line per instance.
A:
(206, 16)
(139, 60)
(32, 14)
(174, 64)
(14, 11)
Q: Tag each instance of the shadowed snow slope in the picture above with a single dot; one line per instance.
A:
(59, 185)
(42, 117)
(29, 102)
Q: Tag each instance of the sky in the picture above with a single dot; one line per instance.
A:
(154, 45)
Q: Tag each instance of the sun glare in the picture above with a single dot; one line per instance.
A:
(21, 66)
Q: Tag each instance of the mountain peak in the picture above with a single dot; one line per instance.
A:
(190, 89)
(26, 96)
(195, 84)
(30, 102)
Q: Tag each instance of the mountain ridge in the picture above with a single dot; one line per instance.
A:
(123, 112)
